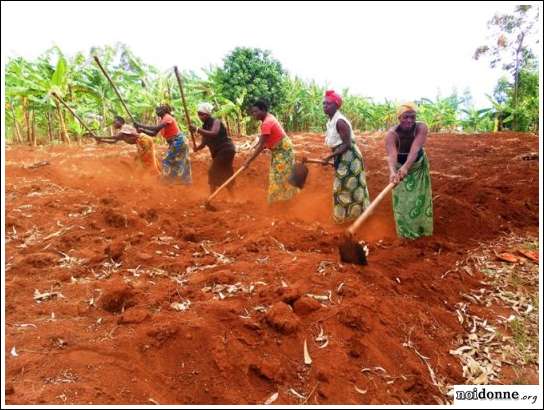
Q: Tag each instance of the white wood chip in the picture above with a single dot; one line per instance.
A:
(272, 398)
(307, 358)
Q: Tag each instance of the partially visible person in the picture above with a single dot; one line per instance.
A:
(145, 156)
(176, 165)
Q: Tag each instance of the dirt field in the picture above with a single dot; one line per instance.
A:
(120, 290)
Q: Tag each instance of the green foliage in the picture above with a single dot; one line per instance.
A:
(511, 46)
(251, 73)
(247, 74)
(59, 76)
(441, 114)
(301, 108)
(477, 120)
(526, 111)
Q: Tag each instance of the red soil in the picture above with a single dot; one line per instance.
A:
(116, 339)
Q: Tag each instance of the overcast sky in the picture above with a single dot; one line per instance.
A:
(397, 51)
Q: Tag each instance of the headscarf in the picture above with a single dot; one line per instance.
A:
(333, 96)
(205, 108)
(406, 107)
(128, 130)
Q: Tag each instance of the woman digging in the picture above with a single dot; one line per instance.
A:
(409, 169)
(176, 165)
(350, 192)
(215, 137)
(145, 156)
(274, 138)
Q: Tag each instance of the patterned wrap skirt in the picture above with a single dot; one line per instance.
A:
(176, 165)
(350, 192)
(413, 201)
(281, 165)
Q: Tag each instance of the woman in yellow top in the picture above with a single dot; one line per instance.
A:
(409, 170)
(145, 156)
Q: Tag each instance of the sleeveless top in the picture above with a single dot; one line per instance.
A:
(332, 137)
(218, 142)
(405, 139)
(171, 130)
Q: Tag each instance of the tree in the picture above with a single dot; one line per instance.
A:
(511, 38)
(33, 115)
(526, 110)
(251, 73)
(528, 106)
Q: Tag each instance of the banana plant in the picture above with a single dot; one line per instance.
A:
(32, 112)
(34, 84)
(477, 120)
(502, 113)
(440, 115)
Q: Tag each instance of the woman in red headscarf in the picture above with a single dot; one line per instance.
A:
(350, 192)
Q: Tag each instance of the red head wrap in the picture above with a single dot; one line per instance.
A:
(333, 96)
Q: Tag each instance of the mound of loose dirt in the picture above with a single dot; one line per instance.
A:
(166, 302)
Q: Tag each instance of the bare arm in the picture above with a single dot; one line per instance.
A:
(213, 132)
(149, 129)
(206, 133)
(258, 149)
(114, 139)
(343, 129)
(107, 141)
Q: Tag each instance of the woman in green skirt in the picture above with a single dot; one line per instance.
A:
(409, 169)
